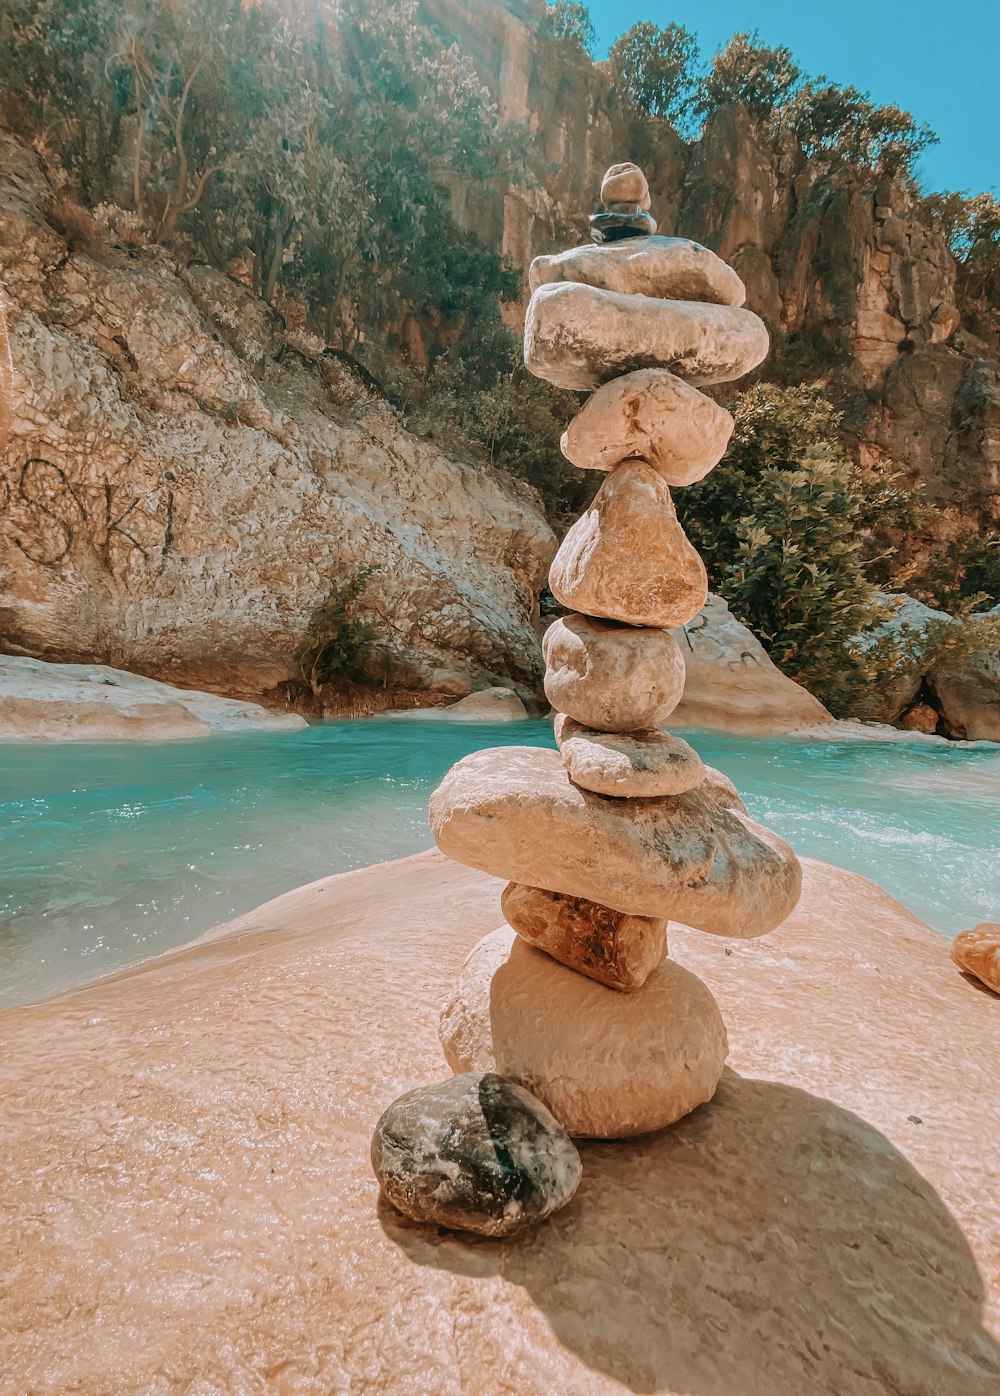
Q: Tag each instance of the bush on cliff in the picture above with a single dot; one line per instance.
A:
(780, 524)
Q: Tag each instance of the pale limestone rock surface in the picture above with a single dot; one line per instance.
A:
(731, 683)
(42, 702)
(627, 763)
(653, 414)
(664, 267)
(607, 1065)
(185, 483)
(514, 812)
(911, 629)
(627, 558)
(978, 953)
(578, 337)
(611, 677)
(488, 705)
(613, 947)
(185, 1151)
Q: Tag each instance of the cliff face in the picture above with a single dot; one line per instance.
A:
(857, 292)
(183, 486)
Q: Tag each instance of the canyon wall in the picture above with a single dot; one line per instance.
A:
(858, 293)
(185, 484)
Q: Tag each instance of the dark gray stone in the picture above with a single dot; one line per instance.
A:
(617, 224)
(476, 1153)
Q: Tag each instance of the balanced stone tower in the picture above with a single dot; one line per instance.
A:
(623, 828)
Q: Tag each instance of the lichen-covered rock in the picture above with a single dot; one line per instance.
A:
(656, 416)
(576, 336)
(978, 953)
(627, 763)
(513, 812)
(614, 678)
(607, 1065)
(476, 1153)
(627, 558)
(610, 946)
(667, 268)
(907, 635)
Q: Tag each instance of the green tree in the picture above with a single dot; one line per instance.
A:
(568, 19)
(655, 69)
(780, 524)
(971, 225)
(748, 73)
(846, 122)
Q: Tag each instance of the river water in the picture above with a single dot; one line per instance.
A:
(113, 852)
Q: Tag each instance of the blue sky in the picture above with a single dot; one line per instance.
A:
(940, 62)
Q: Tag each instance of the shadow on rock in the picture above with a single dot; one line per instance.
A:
(771, 1244)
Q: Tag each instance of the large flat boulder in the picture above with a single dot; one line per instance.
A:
(513, 812)
(731, 682)
(42, 702)
(669, 268)
(578, 337)
(184, 1156)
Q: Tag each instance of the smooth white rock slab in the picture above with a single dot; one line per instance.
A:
(669, 268)
(576, 336)
(654, 415)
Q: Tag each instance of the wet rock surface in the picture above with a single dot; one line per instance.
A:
(476, 1153)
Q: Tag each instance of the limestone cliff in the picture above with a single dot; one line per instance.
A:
(183, 485)
(856, 290)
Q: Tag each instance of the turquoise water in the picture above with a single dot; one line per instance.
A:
(113, 852)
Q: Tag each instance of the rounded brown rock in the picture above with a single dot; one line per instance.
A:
(578, 337)
(627, 764)
(613, 947)
(655, 416)
(977, 952)
(625, 183)
(607, 1065)
(614, 678)
(627, 558)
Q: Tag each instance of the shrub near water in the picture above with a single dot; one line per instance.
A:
(780, 524)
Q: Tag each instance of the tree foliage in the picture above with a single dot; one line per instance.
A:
(971, 225)
(655, 69)
(779, 523)
(748, 73)
(846, 122)
(568, 19)
(319, 153)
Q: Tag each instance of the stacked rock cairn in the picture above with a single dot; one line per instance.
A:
(571, 1021)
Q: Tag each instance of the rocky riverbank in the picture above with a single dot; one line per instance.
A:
(185, 1155)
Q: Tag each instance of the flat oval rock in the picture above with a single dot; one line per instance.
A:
(654, 415)
(624, 764)
(476, 1153)
(514, 812)
(627, 558)
(607, 1065)
(673, 269)
(578, 337)
(615, 678)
